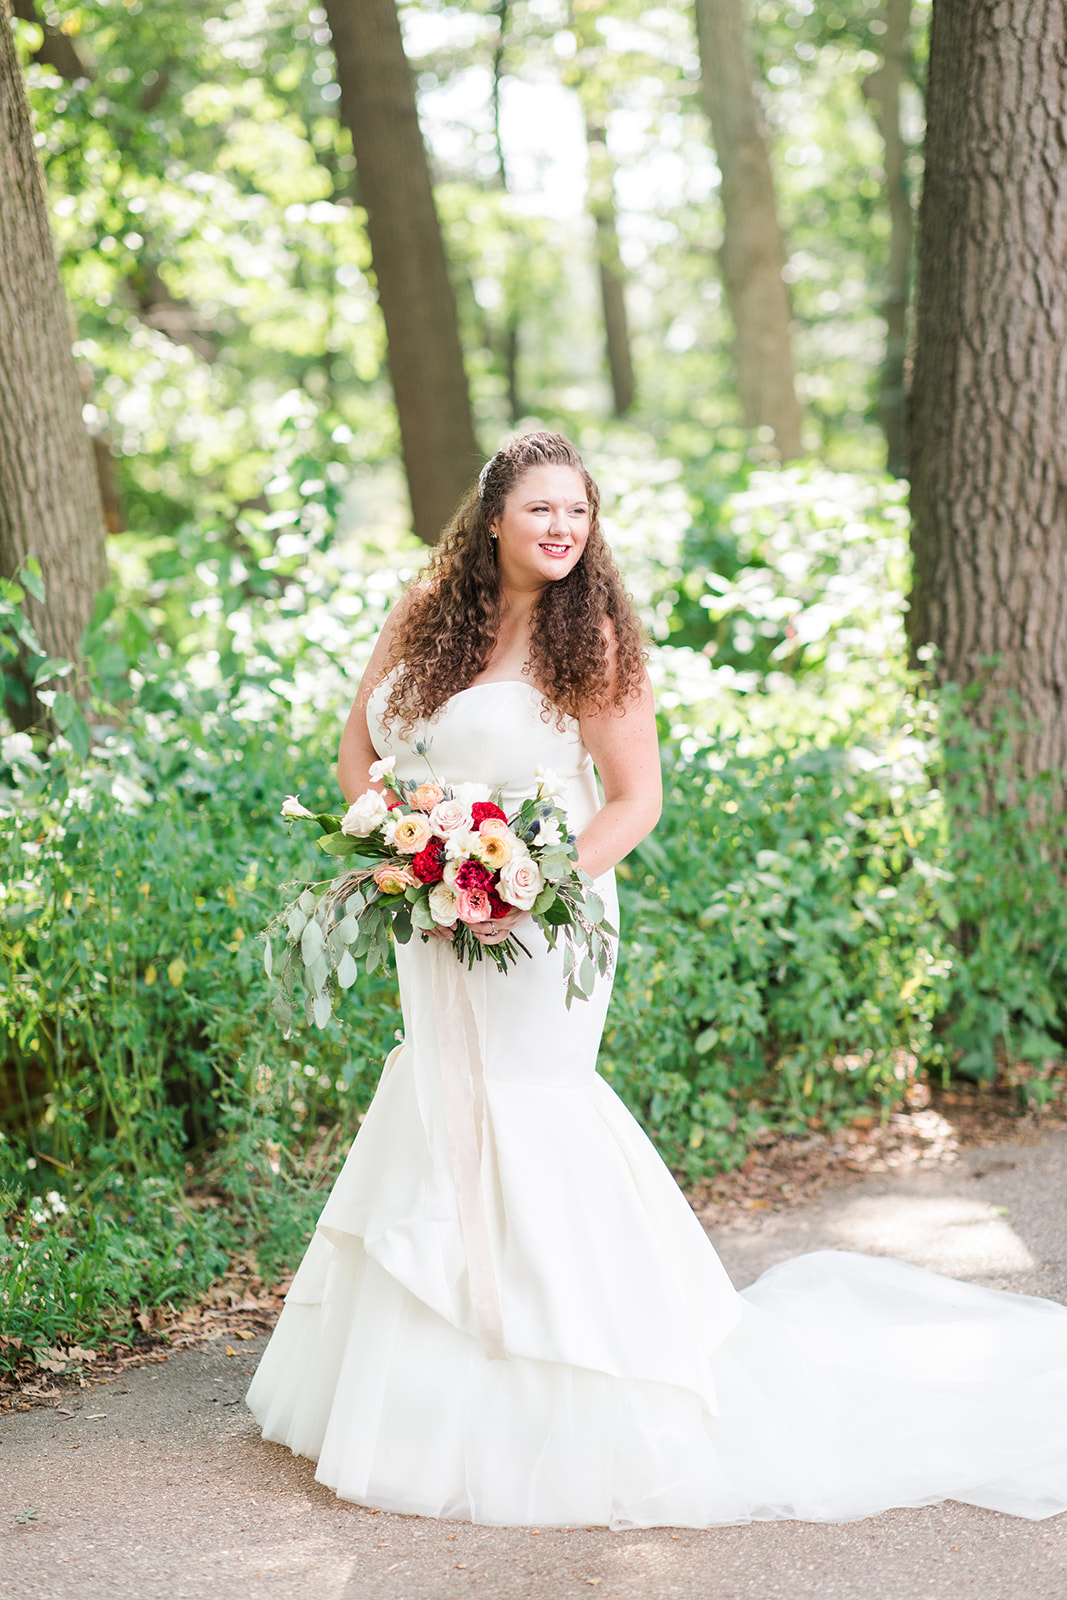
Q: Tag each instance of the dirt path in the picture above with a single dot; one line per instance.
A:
(155, 1486)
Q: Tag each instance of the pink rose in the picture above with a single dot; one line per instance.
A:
(393, 877)
(472, 905)
(411, 833)
(449, 816)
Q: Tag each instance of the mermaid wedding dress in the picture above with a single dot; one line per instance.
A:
(509, 1314)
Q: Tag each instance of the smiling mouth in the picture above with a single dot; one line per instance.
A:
(556, 549)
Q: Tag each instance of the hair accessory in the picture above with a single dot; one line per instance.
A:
(484, 474)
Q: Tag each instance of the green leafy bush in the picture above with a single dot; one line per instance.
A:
(133, 1002)
(784, 957)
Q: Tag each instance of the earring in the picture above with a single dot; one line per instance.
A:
(492, 535)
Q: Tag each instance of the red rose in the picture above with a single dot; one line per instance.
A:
(498, 907)
(429, 865)
(482, 810)
(472, 875)
(393, 801)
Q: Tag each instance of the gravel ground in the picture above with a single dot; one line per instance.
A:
(155, 1486)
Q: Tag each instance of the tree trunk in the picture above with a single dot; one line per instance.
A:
(49, 497)
(601, 204)
(882, 90)
(425, 357)
(753, 253)
(988, 446)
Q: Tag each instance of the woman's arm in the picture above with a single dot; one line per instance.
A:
(625, 749)
(357, 751)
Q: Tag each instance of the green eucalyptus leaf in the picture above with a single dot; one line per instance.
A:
(337, 844)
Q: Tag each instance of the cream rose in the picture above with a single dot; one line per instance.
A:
(520, 883)
(382, 769)
(443, 901)
(411, 833)
(364, 815)
(449, 816)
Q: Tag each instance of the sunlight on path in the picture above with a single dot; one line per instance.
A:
(964, 1238)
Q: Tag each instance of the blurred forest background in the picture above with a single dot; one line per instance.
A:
(314, 266)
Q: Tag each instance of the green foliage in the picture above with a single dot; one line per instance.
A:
(133, 1002)
(1008, 914)
(784, 956)
(78, 1276)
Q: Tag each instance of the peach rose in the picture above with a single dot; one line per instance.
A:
(493, 850)
(495, 826)
(426, 796)
(410, 833)
(393, 877)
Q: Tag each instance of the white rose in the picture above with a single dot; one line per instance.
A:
(443, 901)
(364, 815)
(468, 794)
(381, 769)
(291, 807)
(520, 883)
(448, 816)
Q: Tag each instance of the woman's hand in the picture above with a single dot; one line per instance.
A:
(494, 932)
(498, 928)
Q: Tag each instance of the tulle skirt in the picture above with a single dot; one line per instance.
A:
(834, 1387)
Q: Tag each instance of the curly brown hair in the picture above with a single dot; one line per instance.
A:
(448, 622)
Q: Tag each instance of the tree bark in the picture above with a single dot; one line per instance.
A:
(988, 445)
(418, 305)
(601, 203)
(882, 90)
(49, 497)
(753, 252)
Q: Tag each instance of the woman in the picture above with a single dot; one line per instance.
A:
(508, 1312)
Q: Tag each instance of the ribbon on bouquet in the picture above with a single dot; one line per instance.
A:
(463, 1085)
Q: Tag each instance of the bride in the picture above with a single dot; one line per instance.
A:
(508, 1312)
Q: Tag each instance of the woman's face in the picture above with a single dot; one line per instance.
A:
(543, 527)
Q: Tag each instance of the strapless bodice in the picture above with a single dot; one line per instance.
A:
(495, 733)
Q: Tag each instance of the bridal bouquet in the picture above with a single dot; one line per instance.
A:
(431, 857)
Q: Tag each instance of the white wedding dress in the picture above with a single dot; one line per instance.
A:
(509, 1314)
